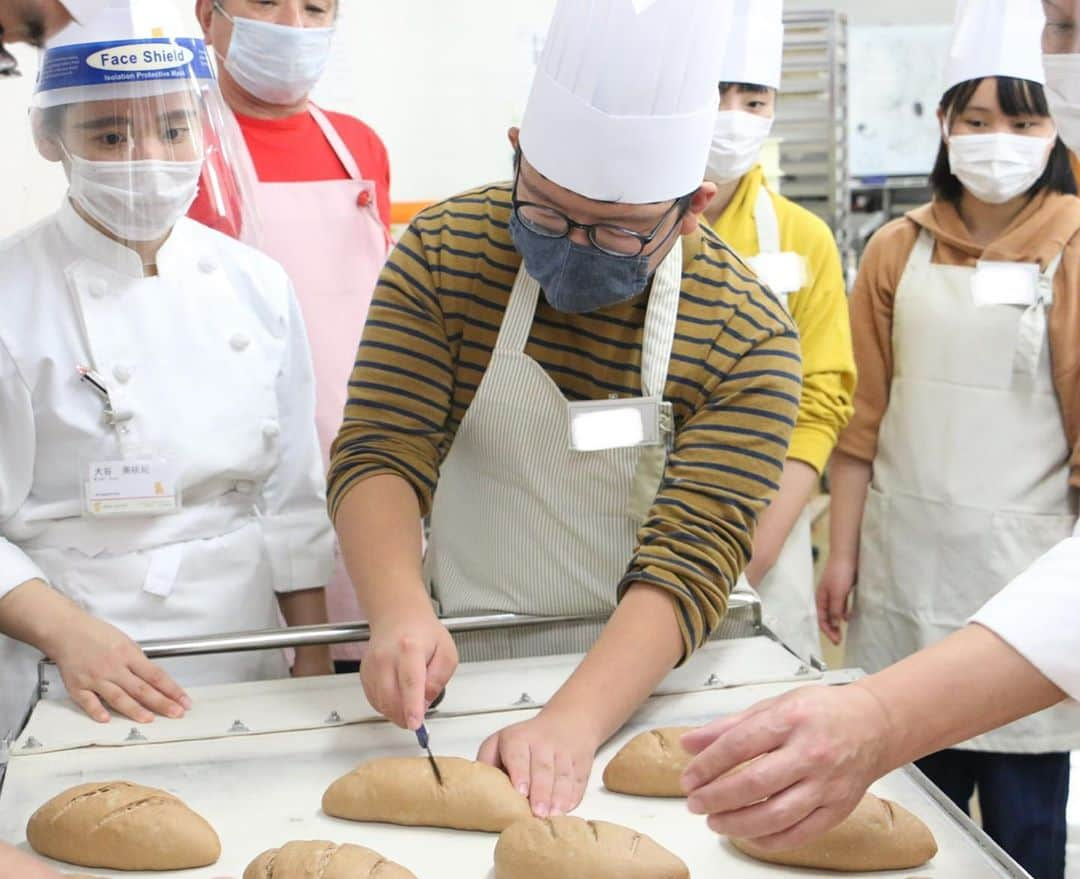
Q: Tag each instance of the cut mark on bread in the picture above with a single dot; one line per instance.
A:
(595, 832)
(550, 825)
(269, 874)
(325, 859)
(634, 843)
(154, 800)
(662, 739)
(379, 864)
(90, 794)
(889, 811)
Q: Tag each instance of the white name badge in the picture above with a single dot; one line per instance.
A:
(598, 425)
(783, 273)
(131, 487)
(1005, 283)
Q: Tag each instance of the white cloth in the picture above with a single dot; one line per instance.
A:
(1038, 614)
(996, 38)
(97, 21)
(82, 10)
(211, 358)
(521, 523)
(624, 100)
(754, 53)
(971, 476)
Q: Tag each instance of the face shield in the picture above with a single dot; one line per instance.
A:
(139, 126)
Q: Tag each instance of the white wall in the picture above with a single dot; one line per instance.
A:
(440, 81)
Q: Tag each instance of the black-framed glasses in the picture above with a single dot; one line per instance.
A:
(605, 237)
(9, 65)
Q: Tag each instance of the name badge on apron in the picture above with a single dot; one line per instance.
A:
(140, 486)
(1005, 283)
(783, 273)
(598, 425)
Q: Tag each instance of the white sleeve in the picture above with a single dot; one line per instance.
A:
(1038, 615)
(16, 469)
(299, 536)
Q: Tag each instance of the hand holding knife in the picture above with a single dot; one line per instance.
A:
(425, 742)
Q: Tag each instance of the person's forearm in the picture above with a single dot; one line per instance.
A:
(968, 684)
(797, 485)
(378, 526)
(14, 863)
(849, 481)
(639, 646)
(37, 614)
(305, 607)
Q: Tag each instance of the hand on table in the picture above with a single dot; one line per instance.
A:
(100, 666)
(833, 597)
(816, 750)
(407, 665)
(548, 760)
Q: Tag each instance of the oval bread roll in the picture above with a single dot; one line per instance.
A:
(323, 860)
(650, 765)
(564, 846)
(122, 826)
(403, 790)
(878, 835)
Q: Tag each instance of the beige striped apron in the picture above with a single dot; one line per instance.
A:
(521, 523)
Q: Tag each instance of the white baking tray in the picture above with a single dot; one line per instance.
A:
(262, 790)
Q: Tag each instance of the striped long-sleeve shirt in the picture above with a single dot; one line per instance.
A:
(734, 382)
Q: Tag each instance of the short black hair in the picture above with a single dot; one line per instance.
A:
(1018, 97)
(748, 87)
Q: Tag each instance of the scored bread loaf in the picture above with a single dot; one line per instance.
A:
(319, 859)
(650, 765)
(404, 790)
(122, 826)
(878, 835)
(565, 846)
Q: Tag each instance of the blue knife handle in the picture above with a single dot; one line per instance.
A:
(422, 737)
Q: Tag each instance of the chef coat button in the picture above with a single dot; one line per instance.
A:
(271, 430)
(98, 289)
(364, 199)
(122, 373)
(207, 266)
(239, 342)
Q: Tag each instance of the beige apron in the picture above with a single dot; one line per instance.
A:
(787, 590)
(521, 523)
(971, 478)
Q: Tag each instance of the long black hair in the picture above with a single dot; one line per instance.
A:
(1018, 97)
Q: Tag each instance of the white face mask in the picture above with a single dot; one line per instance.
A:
(737, 142)
(997, 168)
(276, 63)
(1063, 94)
(136, 201)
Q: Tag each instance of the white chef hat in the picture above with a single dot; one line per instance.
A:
(624, 101)
(754, 53)
(997, 38)
(81, 10)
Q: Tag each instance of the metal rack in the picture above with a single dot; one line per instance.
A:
(812, 113)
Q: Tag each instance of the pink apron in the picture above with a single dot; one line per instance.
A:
(329, 237)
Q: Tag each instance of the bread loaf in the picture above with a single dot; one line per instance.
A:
(122, 826)
(650, 765)
(403, 790)
(323, 860)
(565, 847)
(878, 835)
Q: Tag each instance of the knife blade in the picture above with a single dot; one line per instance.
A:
(425, 743)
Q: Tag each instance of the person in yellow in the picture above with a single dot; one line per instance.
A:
(793, 252)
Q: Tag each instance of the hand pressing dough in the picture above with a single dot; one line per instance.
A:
(564, 846)
(323, 860)
(878, 835)
(403, 790)
(122, 826)
(650, 765)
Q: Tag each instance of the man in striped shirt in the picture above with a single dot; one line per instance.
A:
(532, 352)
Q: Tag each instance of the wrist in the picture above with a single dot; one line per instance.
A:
(881, 739)
(580, 719)
(411, 604)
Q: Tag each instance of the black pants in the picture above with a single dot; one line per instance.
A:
(1022, 798)
(346, 666)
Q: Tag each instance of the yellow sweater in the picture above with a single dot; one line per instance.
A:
(820, 311)
(734, 384)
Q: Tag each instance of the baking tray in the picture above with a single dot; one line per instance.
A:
(260, 790)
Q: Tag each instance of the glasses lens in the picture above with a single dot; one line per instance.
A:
(543, 221)
(617, 242)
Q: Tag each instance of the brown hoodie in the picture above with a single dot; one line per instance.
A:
(1049, 224)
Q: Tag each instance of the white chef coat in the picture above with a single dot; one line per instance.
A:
(211, 359)
(1038, 614)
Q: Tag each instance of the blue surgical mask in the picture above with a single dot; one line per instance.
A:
(577, 279)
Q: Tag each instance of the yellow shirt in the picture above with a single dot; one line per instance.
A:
(820, 311)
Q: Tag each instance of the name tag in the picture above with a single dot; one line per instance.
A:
(130, 487)
(1005, 283)
(783, 273)
(596, 426)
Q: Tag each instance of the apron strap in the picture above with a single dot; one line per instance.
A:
(768, 227)
(1034, 323)
(520, 312)
(923, 253)
(336, 142)
(660, 322)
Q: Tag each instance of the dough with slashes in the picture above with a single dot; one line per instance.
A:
(323, 860)
(650, 764)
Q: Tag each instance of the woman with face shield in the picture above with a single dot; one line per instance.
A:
(160, 475)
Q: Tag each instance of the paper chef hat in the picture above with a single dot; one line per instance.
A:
(997, 38)
(624, 101)
(754, 53)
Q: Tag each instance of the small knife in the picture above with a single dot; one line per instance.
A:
(422, 738)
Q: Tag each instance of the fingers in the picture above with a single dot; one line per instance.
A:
(541, 778)
(156, 690)
(489, 752)
(412, 681)
(749, 785)
(88, 701)
(834, 612)
(568, 787)
(819, 821)
(755, 735)
(440, 669)
(118, 699)
(696, 741)
(783, 811)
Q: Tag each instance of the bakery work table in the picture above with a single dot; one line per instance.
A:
(254, 760)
